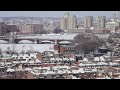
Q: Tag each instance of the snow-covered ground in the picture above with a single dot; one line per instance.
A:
(51, 36)
(35, 47)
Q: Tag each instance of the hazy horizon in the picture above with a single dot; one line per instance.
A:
(54, 13)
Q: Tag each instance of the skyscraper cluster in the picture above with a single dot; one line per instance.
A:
(69, 23)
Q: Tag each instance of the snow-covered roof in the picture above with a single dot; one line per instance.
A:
(85, 60)
(15, 62)
(94, 70)
(37, 61)
(68, 71)
(10, 70)
(52, 59)
(104, 77)
(60, 72)
(96, 59)
(49, 72)
(80, 70)
(112, 64)
(34, 72)
(3, 42)
(14, 55)
(32, 54)
(48, 68)
(59, 59)
(36, 47)
(72, 59)
(23, 62)
(25, 42)
(102, 63)
(28, 69)
(102, 58)
(73, 77)
(111, 23)
(8, 63)
(32, 62)
(65, 59)
(1, 63)
(5, 55)
(60, 67)
(87, 64)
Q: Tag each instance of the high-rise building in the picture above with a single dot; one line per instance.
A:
(30, 28)
(64, 23)
(72, 22)
(88, 21)
(3, 29)
(68, 22)
(101, 20)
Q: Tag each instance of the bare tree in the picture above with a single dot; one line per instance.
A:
(87, 44)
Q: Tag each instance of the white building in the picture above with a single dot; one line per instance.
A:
(101, 20)
(68, 22)
(112, 26)
(88, 21)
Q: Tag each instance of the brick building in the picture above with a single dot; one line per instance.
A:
(4, 28)
(66, 49)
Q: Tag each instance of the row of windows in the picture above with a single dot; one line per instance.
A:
(71, 48)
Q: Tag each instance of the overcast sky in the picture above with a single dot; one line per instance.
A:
(54, 13)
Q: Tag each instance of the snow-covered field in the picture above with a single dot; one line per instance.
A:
(51, 36)
(26, 47)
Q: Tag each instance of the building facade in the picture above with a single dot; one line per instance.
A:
(68, 22)
(76, 30)
(101, 20)
(72, 22)
(30, 28)
(63, 23)
(112, 26)
(88, 21)
(4, 28)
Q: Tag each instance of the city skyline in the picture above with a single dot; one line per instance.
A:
(54, 13)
